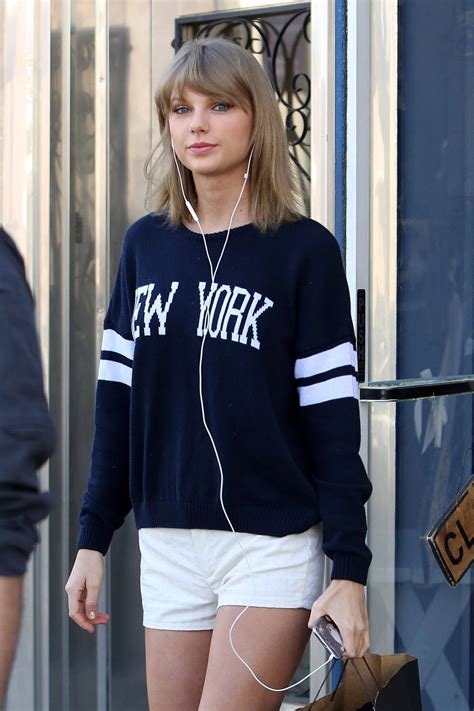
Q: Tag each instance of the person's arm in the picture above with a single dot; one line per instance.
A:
(11, 602)
(328, 394)
(27, 438)
(106, 501)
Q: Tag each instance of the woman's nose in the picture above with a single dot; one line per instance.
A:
(198, 121)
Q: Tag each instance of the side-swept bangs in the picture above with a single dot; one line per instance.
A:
(202, 75)
(225, 71)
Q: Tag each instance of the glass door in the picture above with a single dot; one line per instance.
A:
(428, 338)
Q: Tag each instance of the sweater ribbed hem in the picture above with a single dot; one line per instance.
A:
(248, 519)
(350, 567)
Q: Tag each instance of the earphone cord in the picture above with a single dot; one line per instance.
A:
(205, 330)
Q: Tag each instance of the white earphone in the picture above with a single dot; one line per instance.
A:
(188, 204)
(205, 329)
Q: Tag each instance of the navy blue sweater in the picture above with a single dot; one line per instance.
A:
(279, 387)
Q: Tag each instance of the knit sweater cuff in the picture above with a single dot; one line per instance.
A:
(350, 567)
(94, 538)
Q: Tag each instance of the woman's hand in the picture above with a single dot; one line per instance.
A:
(83, 587)
(344, 602)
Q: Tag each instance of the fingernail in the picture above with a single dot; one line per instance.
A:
(92, 614)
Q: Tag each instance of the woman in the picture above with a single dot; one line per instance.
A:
(247, 446)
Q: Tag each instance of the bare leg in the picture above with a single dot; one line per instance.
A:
(11, 602)
(270, 640)
(176, 664)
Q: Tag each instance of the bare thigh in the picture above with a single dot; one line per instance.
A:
(270, 640)
(176, 664)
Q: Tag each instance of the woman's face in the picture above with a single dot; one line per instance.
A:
(196, 118)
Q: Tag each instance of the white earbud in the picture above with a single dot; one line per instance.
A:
(192, 211)
(188, 204)
(246, 174)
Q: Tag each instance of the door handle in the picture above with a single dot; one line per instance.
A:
(416, 388)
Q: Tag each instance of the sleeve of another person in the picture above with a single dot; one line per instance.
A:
(27, 433)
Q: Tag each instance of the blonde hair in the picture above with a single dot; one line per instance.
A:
(223, 70)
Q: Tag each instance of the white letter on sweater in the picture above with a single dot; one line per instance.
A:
(138, 293)
(156, 308)
(251, 320)
(238, 312)
(204, 304)
(225, 288)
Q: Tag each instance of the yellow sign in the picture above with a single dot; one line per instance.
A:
(452, 538)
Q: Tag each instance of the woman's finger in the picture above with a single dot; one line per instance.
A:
(349, 642)
(363, 640)
(366, 642)
(354, 637)
(80, 618)
(77, 611)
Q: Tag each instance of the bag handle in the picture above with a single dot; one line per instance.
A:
(372, 701)
(340, 679)
(379, 687)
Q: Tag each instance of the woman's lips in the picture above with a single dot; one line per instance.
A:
(201, 149)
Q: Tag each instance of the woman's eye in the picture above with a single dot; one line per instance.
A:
(183, 109)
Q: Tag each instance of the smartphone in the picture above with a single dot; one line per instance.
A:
(326, 631)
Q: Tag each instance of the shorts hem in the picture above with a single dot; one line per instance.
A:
(177, 626)
(279, 604)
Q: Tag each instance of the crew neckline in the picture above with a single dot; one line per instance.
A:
(248, 227)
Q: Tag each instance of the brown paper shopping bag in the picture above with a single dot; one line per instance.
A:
(388, 682)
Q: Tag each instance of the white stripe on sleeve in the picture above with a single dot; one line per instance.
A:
(343, 354)
(113, 341)
(116, 372)
(332, 389)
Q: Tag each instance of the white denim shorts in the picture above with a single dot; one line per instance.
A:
(186, 574)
